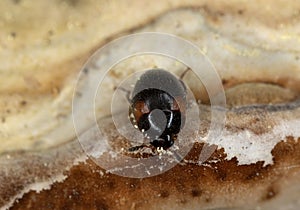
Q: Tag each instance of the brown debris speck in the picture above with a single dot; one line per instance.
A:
(196, 193)
(270, 194)
(23, 103)
(240, 12)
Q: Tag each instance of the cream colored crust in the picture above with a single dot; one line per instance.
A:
(41, 55)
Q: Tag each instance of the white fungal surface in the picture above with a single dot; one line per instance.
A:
(249, 147)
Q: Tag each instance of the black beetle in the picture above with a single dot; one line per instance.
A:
(157, 107)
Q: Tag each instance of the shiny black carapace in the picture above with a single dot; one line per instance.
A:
(157, 107)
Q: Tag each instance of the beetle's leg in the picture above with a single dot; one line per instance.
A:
(127, 93)
(135, 148)
(181, 77)
(184, 73)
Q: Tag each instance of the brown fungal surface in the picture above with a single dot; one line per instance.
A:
(255, 49)
(187, 186)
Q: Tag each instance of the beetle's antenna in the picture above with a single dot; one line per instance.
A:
(128, 92)
(184, 73)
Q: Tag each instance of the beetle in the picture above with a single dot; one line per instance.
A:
(157, 107)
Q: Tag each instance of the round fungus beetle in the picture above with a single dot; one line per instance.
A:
(157, 107)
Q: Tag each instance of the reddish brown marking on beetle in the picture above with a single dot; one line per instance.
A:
(140, 108)
(179, 104)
